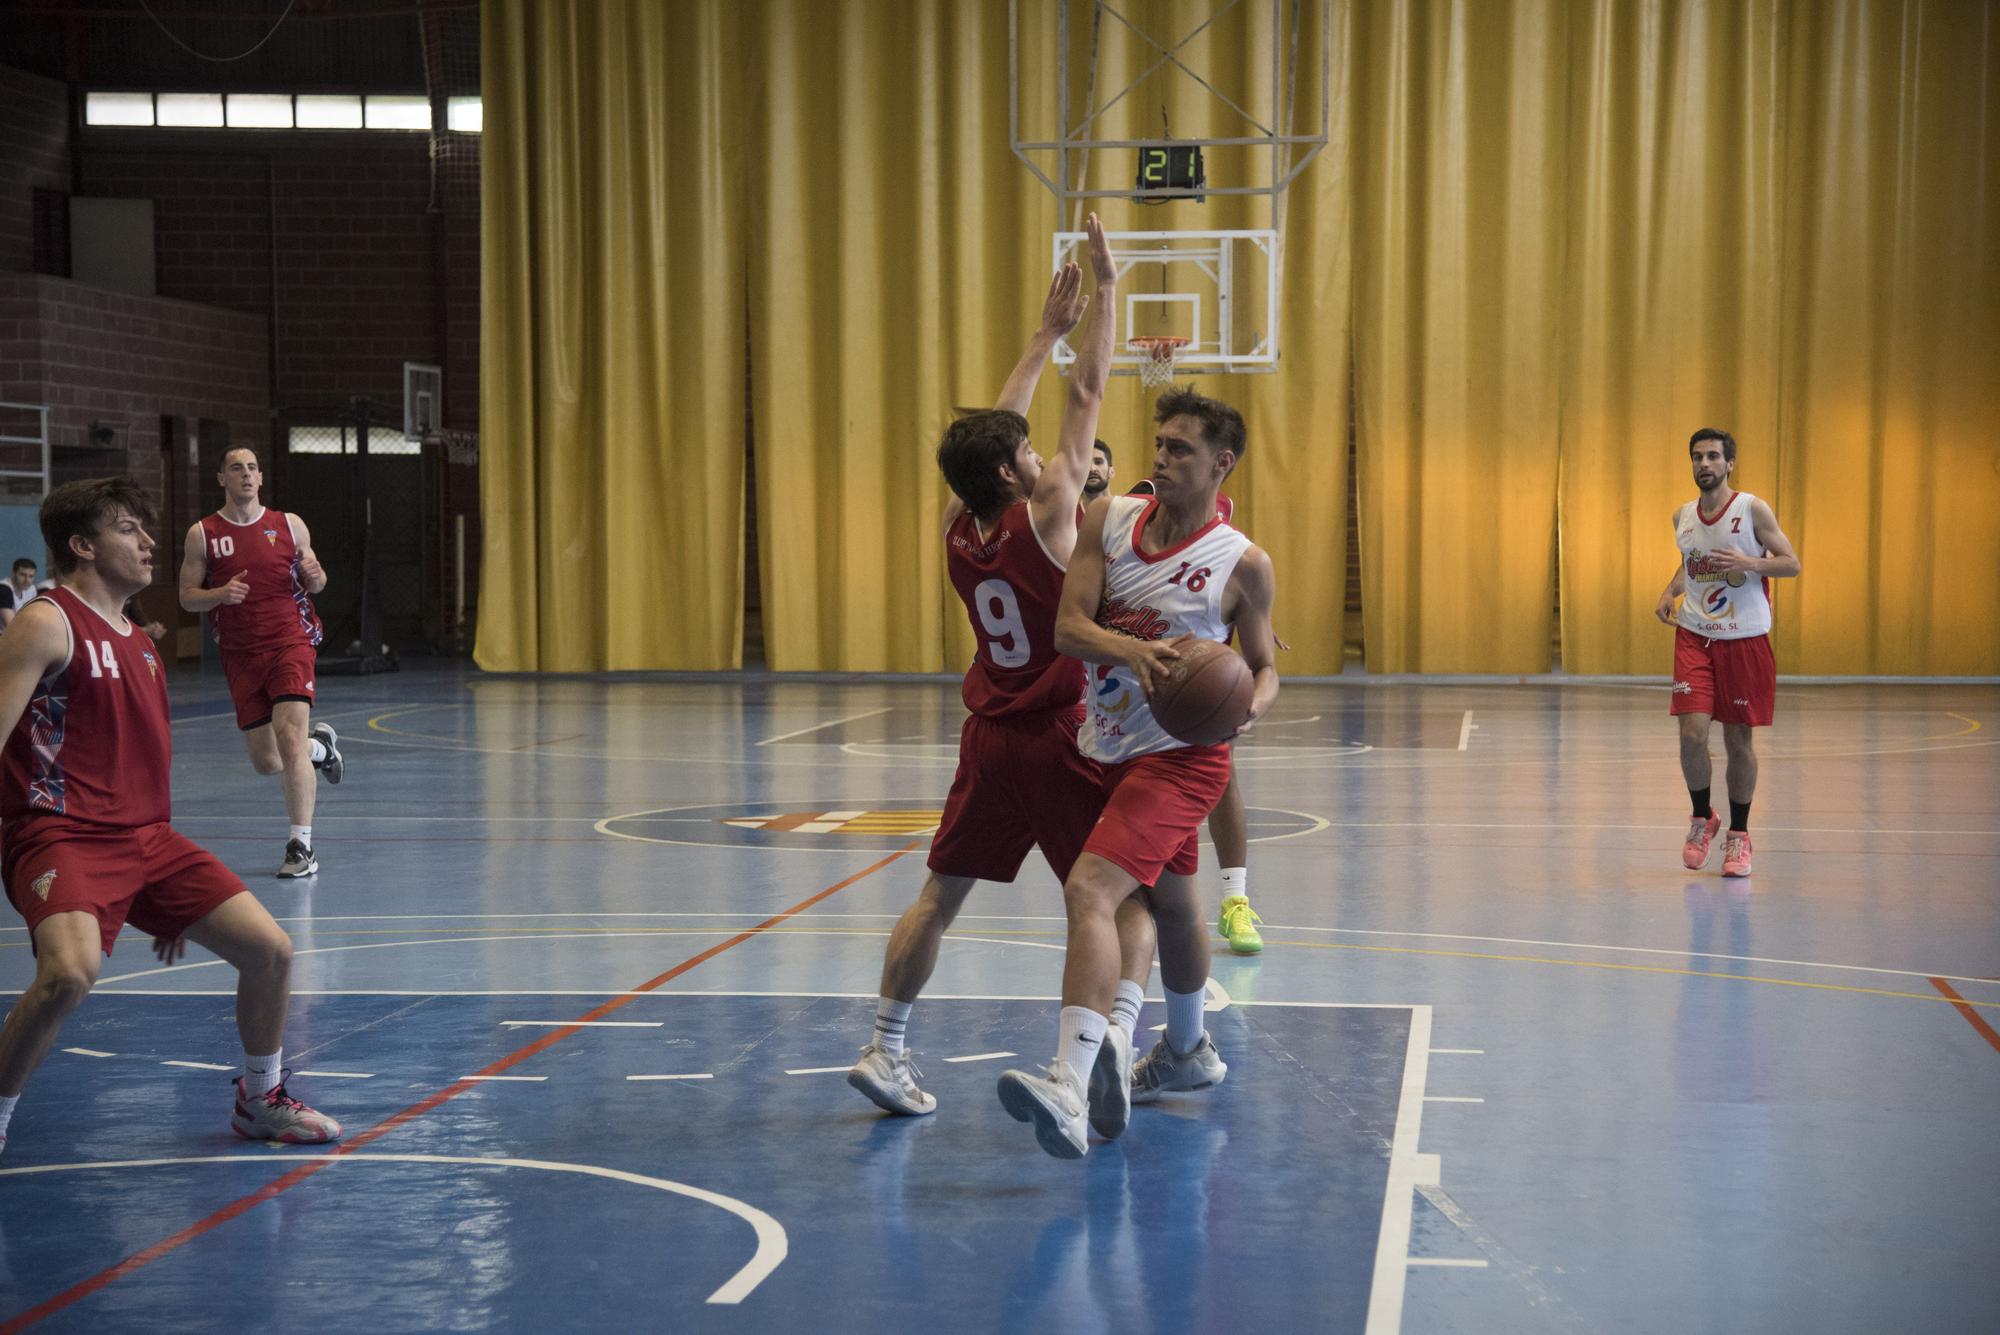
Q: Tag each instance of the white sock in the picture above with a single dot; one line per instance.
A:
(1125, 1010)
(1079, 1034)
(1235, 881)
(1184, 1022)
(319, 751)
(304, 834)
(7, 1114)
(892, 1018)
(261, 1074)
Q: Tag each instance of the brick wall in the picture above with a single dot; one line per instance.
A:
(362, 280)
(34, 126)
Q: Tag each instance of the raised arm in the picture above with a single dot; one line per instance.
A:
(1077, 631)
(1061, 309)
(36, 640)
(311, 573)
(195, 595)
(1247, 603)
(1053, 506)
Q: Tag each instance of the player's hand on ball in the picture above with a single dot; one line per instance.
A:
(237, 589)
(170, 949)
(1152, 660)
(1065, 302)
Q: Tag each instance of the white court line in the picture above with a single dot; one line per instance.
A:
(338, 1075)
(1407, 1171)
(516, 1079)
(584, 1024)
(200, 1066)
(1450, 1098)
(1457, 1261)
(705, 1075)
(787, 736)
(817, 1070)
(772, 1245)
(982, 1057)
(1465, 730)
(1470, 1052)
(89, 1052)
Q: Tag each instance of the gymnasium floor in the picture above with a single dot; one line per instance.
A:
(1504, 1066)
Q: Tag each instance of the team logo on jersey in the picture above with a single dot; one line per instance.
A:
(1715, 601)
(1734, 579)
(152, 663)
(271, 536)
(1114, 693)
(43, 884)
(1141, 623)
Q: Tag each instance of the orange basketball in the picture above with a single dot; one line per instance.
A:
(1206, 695)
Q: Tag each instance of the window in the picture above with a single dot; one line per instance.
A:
(118, 109)
(464, 113)
(399, 113)
(259, 111)
(191, 109)
(318, 112)
(382, 439)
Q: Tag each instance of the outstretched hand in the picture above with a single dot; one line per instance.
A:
(1064, 305)
(1103, 264)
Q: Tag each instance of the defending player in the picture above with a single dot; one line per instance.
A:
(1731, 548)
(1148, 575)
(1008, 535)
(84, 803)
(253, 570)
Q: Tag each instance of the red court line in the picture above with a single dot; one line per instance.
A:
(1964, 1007)
(277, 1186)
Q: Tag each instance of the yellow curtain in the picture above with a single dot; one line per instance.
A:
(1672, 297)
(1889, 404)
(612, 376)
(1459, 121)
(901, 256)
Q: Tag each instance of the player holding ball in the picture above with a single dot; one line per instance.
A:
(1150, 576)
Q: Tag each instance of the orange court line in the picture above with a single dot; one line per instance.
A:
(165, 1246)
(1964, 1007)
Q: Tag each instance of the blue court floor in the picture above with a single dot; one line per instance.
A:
(588, 957)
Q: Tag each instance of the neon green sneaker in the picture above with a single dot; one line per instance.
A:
(1237, 923)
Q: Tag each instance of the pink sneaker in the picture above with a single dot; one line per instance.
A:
(280, 1117)
(1736, 853)
(1701, 829)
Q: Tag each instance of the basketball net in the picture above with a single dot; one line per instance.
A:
(1157, 370)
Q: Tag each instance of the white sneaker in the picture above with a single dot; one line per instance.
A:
(1164, 1071)
(890, 1082)
(1110, 1099)
(1053, 1101)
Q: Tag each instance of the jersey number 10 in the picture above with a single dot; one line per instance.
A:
(221, 547)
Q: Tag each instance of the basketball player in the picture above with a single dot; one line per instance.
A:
(1731, 549)
(1228, 826)
(1149, 575)
(254, 571)
(1102, 470)
(84, 804)
(1008, 534)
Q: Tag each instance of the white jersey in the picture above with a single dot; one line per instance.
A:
(1718, 606)
(1152, 596)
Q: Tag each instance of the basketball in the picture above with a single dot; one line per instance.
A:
(1206, 695)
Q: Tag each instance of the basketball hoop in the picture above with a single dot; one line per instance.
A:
(1160, 350)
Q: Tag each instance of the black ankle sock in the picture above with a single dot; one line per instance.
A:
(1739, 817)
(1702, 810)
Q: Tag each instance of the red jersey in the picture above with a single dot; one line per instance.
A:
(1011, 588)
(278, 610)
(94, 743)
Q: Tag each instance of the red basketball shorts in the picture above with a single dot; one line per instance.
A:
(260, 678)
(1731, 681)
(151, 876)
(1153, 809)
(1021, 783)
